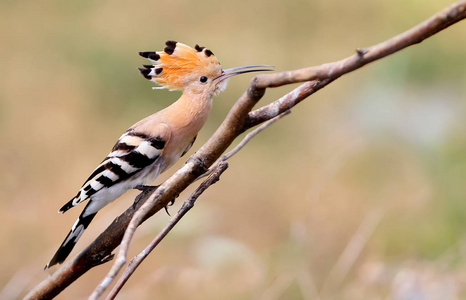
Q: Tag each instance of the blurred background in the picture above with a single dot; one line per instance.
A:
(358, 194)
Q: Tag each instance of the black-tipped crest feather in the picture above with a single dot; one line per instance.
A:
(199, 48)
(145, 73)
(154, 56)
(171, 45)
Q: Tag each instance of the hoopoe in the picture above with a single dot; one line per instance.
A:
(155, 143)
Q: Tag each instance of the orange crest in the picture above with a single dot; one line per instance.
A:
(178, 64)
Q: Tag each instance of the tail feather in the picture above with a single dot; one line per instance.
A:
(67, 206)
(72, 203)
(72, 238)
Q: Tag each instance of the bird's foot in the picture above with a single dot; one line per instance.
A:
(145, 189)
(169, 204)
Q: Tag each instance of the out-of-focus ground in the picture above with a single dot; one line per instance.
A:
(359, 194)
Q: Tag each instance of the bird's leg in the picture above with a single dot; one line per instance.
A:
(145, 189)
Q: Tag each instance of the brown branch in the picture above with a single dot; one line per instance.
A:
(238, 120)
(443, 19)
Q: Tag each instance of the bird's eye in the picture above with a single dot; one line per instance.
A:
(203, 79)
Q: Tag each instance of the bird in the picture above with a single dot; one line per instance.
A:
(155, 143)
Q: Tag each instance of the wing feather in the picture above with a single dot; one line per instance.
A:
(133, 152)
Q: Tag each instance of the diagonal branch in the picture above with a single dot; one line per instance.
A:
(239, 119)
(363, 56)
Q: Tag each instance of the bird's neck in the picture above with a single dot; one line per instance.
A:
(191, 110)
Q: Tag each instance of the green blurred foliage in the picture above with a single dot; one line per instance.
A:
(388, 138)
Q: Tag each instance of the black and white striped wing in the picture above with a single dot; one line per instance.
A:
(133, 152)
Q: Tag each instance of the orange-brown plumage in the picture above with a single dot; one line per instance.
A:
(178, 64)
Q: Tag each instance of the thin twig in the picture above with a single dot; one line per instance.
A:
(187, 205)
(137, 219)
(285, 103)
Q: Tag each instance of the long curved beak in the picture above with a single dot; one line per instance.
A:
(227, 73)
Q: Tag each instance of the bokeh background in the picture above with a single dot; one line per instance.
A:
(359, 194)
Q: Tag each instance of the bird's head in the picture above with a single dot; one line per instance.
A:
(193, 70)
